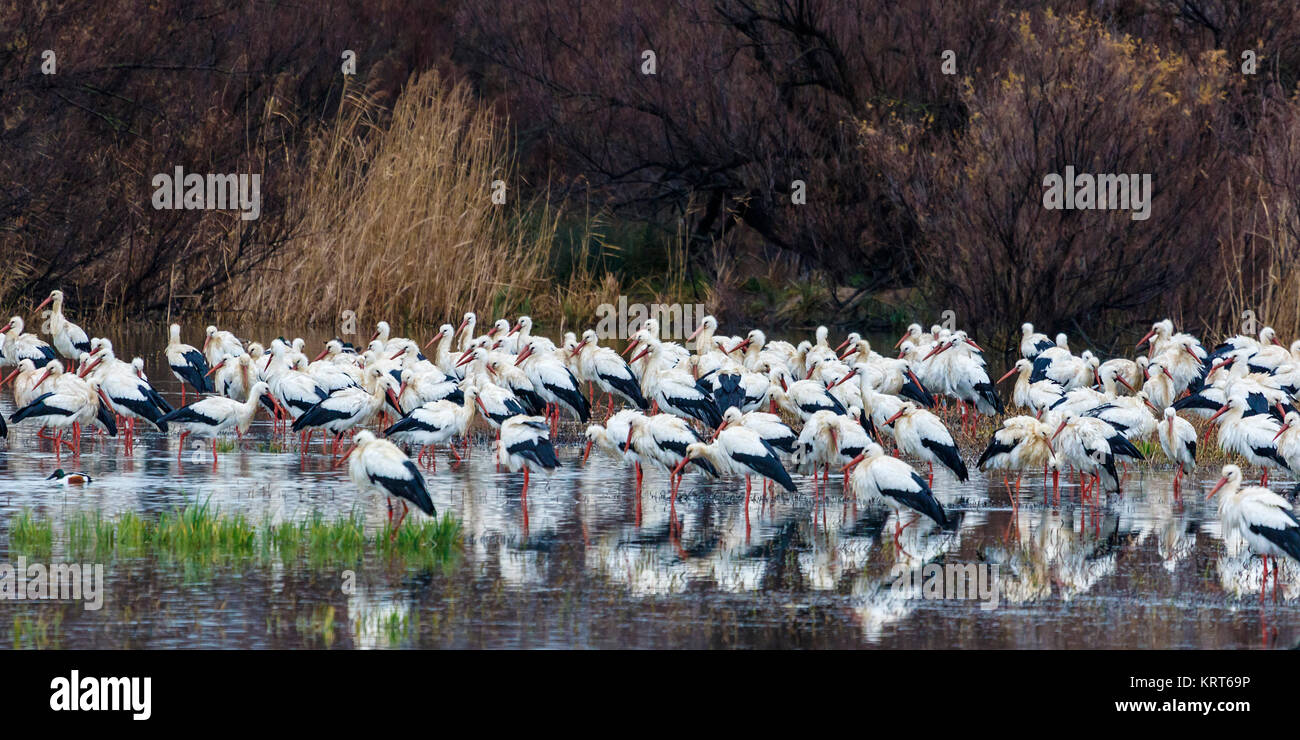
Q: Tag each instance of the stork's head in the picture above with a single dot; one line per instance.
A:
(730, 416)
(1230, 477)
(1026, 329)
(55, 297)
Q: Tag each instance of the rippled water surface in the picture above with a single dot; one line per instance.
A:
(585, 562)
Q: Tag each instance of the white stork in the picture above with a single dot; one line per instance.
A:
(69, 406)
(16, 346)
(187, 363)
(553, 381)
(1264, 520)
(344, 410)
(673, 390)
(739, 450)
(662, 440)
(877, 475)
(376, 465)
(1253, 436)
(612, 437)
(607, 370)
(434, 423)
(1032, 343)
(215, 415)
(69, 339)
(802, 398)
(525, 443)
(1022, 443)
(1178, 440)
(221, 344)
(131, 398)
(921, 434)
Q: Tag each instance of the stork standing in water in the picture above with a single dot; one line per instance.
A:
(346, 409)
(662, 440)
(131, 398)
(69, 339)
(553, 381)
(215, 415)
(674, 390)
(1264, 520)
(612, 437)
(376, 465)
(607, 370)
(525, 443)
(16, 346)
(828, 439)
(1254, 437)
(434, 423)
(71, 407)
(920, 433)
(1023, 443)
(877, 475)
(186, 363)
(1178, 440)
(1085, 444)
(739, 450)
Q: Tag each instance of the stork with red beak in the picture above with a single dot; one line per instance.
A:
(877, 476)
(69, 339)
(1263, 519)
(378, 466)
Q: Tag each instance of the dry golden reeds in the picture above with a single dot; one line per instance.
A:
(397, 220)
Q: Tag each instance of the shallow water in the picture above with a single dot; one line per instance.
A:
(585, 562)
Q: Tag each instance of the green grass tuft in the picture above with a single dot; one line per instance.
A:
(199, 534)
(30, 536)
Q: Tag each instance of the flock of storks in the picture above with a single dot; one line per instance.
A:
(722, 405)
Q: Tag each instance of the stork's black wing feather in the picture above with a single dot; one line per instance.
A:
(1121, 446)
(194, 371)
(1288, 538)
(412, 488)
(538, 451)
(626, 386)
(188, 414)
(996, 447)
(949, 456)
(768, 466)
(920, 500)
(914, 390)
(37, 409)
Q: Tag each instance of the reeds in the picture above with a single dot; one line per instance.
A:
(396, 219)
(1259, 264)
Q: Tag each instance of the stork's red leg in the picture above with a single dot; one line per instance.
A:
(1263, 584)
